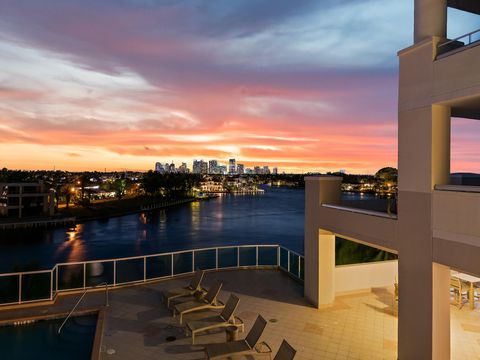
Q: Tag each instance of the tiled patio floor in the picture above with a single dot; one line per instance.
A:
(361, 326)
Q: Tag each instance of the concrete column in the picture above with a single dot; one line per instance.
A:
(319, 246)
(441, 312)
(326, 268)
(430, 19)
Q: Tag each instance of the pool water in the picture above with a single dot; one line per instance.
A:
(40, 340)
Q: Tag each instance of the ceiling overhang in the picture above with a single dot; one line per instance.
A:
(471, 6)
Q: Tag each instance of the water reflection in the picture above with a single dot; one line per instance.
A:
(275, 217)
(73, 248)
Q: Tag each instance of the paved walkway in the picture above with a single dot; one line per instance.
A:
(361, 326)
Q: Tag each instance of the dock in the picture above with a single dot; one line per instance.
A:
(36, 223)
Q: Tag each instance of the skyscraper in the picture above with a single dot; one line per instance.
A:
(232, 168)
(240, 169)
(213, 167)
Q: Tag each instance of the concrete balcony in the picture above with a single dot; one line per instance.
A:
(324, 210)
(357, 326)
(456, 226)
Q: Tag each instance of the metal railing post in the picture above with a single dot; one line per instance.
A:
(56, 280)
(278, 256)
(171, 263)
(256, 256)
(84, 275)
(51, 285)
(114, 273)
(193, 261)
(19, 288)
(238, 256)
(216, 258)
(144, 269)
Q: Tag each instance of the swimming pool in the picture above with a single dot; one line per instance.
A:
(40, 340)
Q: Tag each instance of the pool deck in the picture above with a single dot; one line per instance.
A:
(357, 326)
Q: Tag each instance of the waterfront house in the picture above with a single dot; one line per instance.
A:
(22, 199)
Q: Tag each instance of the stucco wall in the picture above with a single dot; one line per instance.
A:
(350, 278)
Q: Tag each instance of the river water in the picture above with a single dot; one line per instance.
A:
(274, 217)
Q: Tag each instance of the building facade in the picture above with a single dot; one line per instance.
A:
(19, 200)
(232, 167)
(437, 226)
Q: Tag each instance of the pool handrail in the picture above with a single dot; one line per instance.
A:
(80, 300)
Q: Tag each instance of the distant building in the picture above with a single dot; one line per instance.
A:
(200, 167)
(232, 168)
(222, 170)
(265, 170)
(20, 200)
(275, 171)
(240, 169)
(257, 170)
(213, 167)
(183, 168)
(159, 167)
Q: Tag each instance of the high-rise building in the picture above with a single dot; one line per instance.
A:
(240, 169)
(160, 168)
(265, 170)
(232, 168)
(213, 167)
(183, 168)
(222, 170)
(275, 171)
(203, 167)
(197, 166)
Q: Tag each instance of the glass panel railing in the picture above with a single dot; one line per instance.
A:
(183, 263)
(33, 286)
(9, 292)
(70, 276)
(36, 286)
(294, 263)
(205, 259)
(284, 258)
(248, 256)
(267, 255)
(99, 272)
(227, 257)
(129, 270)
(159, 266)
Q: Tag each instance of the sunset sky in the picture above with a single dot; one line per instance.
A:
(302, 85)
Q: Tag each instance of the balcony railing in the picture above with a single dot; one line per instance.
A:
(45, 285)
(459, 42)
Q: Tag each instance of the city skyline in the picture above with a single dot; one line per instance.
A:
(82, 88)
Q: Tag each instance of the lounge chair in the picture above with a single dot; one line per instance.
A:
(285, 352)
(189, 290)
(248, 346)
(226, 318)
(209, 301)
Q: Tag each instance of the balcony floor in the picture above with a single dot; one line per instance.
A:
(360, 326)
